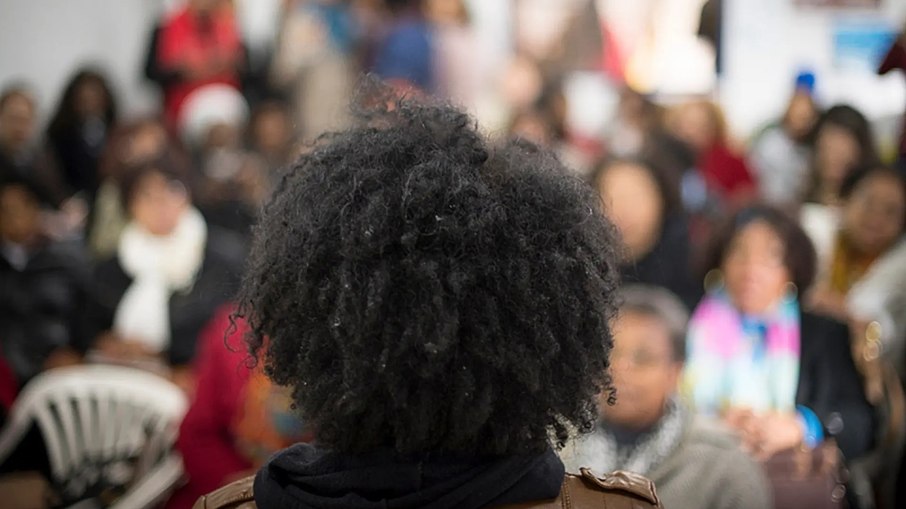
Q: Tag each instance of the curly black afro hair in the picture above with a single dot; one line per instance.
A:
(422, 291)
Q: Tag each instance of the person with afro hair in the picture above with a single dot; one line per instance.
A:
(440, 308)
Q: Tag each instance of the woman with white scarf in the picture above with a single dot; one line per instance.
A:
(169, 274)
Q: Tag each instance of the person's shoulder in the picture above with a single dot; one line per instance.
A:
(710, 437)
(588, 489)
(584, 490)
(236, 495)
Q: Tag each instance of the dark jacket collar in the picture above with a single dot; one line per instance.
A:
(306, 477)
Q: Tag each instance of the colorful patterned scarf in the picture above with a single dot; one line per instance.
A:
(742, 361)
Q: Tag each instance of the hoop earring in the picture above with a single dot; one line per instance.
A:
(714, 280)
(792, 291)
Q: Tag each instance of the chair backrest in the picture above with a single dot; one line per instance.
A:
(100, 424)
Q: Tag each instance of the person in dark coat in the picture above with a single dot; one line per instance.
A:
(79, 129)
(643, 201)
(42, 284)
(169, 275)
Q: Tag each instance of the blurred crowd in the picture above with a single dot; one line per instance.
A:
(766, 298)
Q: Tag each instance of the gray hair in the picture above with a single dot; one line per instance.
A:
(662, 305)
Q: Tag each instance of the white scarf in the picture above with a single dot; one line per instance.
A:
(159, 266)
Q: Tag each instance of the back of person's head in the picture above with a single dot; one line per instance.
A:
(423, 291)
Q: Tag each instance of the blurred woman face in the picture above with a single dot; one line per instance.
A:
(694, 124)
(632, 200)
(17, 122)
(644, 370)
(158, 204)
(90, 99)
(874, 213)
(20, 214)
(836, 151)
(755, 274)
(801, 116)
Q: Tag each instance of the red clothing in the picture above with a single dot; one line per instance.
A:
(8, 387)
(205, 440)
(726, 173)
(209, 48)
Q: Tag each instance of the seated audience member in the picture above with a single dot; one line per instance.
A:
(79, 130)
(780, 375)
(780, 153)
(169, 275)
(862, 256)
(132, 143)
(20, 157)
(694, 462)
(645, 206)
(842, 141)
(441, 310)
(231, 185)
(237, 417)
(42, 286)
(271, 135)
(725, 173)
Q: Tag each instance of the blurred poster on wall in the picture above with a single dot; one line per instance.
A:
(838, 3)
(860, 45)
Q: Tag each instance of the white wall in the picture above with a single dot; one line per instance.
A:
(767, 42)
(43, 42)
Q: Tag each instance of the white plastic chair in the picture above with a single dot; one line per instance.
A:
(103, 423)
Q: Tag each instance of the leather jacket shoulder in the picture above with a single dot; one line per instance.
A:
(619, 490)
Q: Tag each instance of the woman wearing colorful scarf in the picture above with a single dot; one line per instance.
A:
(780, 376)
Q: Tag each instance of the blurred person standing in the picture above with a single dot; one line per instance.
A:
(645, 206)
(43, 284)
(695, 462)
(405, 55)
(79, 130)
(198, 45)
(779, 375)
(314, 62)
(780, 153)
(170, 273)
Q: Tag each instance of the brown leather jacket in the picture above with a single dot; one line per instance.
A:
(619, 490)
